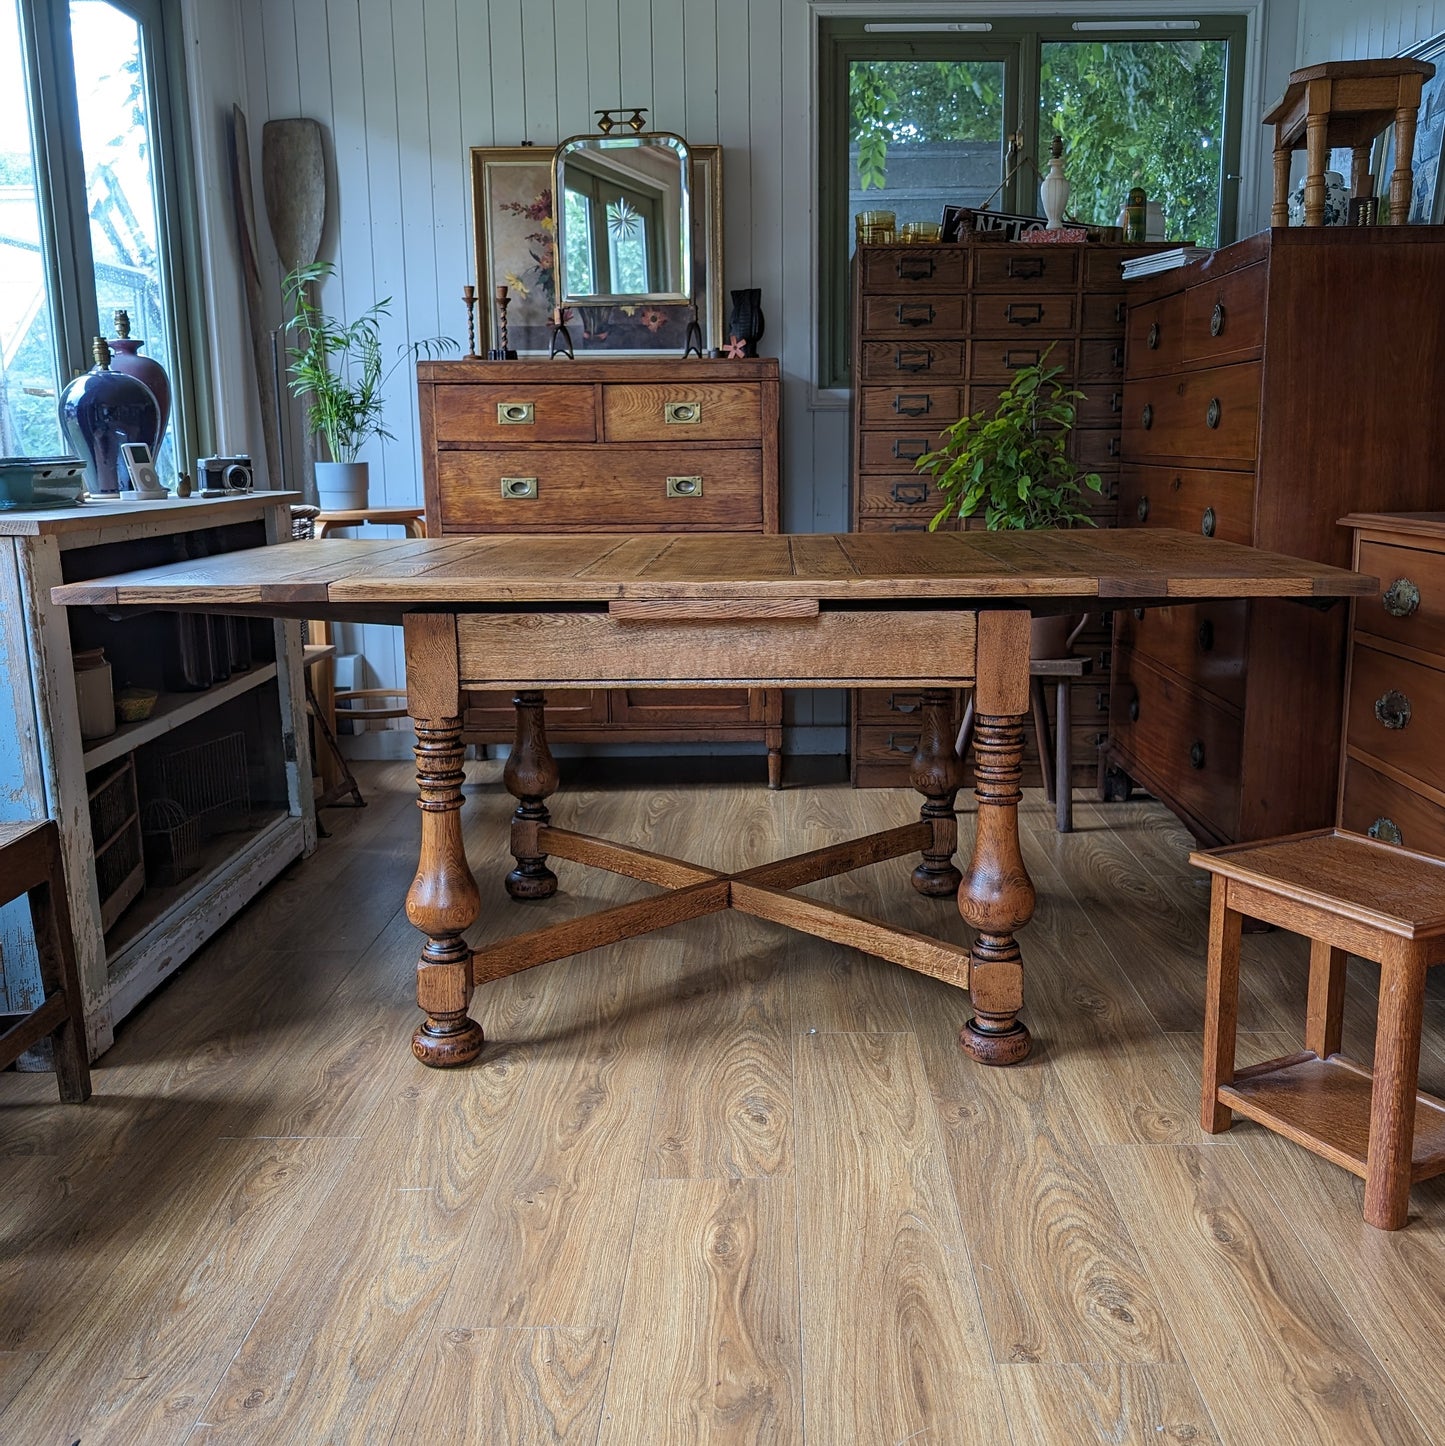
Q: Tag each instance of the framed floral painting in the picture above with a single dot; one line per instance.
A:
(513, 227)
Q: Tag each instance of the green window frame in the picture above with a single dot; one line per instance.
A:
(1019, 44)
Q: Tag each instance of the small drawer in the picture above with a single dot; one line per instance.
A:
(904, 406)
(1376, 805)
(686, 707)
(1102, 404)
(897, 708)
(1093, 447)
(1193, 499)
(1104, 314)
(1101, 359)
(463, 412)
(1025, 268)
(887, 743)
(1396, 713)
(912, 268)
(912, 314)
(872, 521)
(1038, 314)
(1154, 336)
(890, 360)
(998, 360)
(899, 496)
(682, 412)
(1203, 642)
(1225, 317)
(601, 489)
(1410, 606)
(1209, 414)
(1180, 737)
(894, 451)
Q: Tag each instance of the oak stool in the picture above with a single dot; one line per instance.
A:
(1348, 894)
(30, 863)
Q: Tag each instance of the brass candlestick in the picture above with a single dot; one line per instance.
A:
(469, 295)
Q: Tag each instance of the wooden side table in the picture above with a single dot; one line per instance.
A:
(1346, 103)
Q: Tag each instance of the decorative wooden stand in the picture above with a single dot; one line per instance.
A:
(1346, 103)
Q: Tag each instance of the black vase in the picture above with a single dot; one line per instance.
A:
(746, 322)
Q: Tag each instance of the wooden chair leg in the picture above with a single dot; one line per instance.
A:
(1221, 1007)
(1039, 705)
(1324, 1015)
(55, 945)
(1396, 1077)
(965, 730)
(1063, 760)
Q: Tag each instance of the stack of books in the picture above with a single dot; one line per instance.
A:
(1163, 260)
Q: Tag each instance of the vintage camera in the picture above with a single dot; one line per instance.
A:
(223, 476)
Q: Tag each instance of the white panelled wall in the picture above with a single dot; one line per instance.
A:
(404, 89)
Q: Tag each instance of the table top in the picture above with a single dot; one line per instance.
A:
(1047, 571)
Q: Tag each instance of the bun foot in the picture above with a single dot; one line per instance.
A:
(988, 1046)
(447, 1043)
(937, 883)
(531, 881)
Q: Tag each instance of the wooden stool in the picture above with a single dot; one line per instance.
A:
(30, 863)
(1346, 103)
(1345, 893)
(1056, 758)
(409, 519)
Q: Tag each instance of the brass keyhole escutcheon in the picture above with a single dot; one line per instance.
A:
(1207, 522)
(682, 413)
(1138, 614)
(1146, 417)
(1386, 830)
(1401, 598)
(684, 486)
(519, 488)
(515, 414)
(1206, 636)
(1153, 337)
(1213, 412)
(1142, 510)
(1133, 710)
(1196, 754)
(1216, 319)
(1392, 709)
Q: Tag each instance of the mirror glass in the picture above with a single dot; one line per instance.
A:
(624, 222)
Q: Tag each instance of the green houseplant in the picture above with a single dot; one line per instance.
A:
(338, 369)
(1013, 466)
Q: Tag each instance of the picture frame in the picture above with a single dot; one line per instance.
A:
(1427, 200)
(512, 233)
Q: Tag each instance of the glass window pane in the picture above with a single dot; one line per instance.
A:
(923, 134)
(579, 243)
(1144, 113)
(627, 247)
(117, 142)
(29, 424)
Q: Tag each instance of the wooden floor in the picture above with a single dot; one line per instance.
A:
(723, 1184)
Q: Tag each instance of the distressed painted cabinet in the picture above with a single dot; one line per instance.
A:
(172, 823)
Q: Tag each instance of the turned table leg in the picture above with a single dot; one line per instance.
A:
(530, 775)
(997, 895)
(936, 773)
(443, 901)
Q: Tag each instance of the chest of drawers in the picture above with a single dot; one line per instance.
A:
(938, 332)
(1270, 389)
(1392, 773)
(620, 445)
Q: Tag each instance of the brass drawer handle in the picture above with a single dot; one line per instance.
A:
(912, 359)
(1112, 447)
(519, 487)
(1016, 360)
(682, 413)
(1133, 710)
(910, 494)
(904, 743)
(1142, 510)
(1116, 403)
(1121, 312)
(1401, 598)
(1208, 522)
(1206, 636)
(909, 449)
(684, 486)
(915, 313)
(912, 404)
(1146, 417)
(1213, 412)
(1025, 269)
(1392, 709)
(1138, 614)
(1386, 830)
(914, 268)
(1018, 313)
(1216, 319)
(1153, 338)
(516, 414)
(895, 705)
(1196, 754)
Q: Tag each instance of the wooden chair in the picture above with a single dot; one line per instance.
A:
(30, 863)
(1347, 894)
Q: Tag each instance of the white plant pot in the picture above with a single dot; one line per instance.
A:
(342, 486)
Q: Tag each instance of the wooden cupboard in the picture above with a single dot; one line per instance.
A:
(624, 444)
(1271, 388)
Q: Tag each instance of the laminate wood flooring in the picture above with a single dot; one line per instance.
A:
(725, 1184)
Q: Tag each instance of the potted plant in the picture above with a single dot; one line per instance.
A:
(338, 369)
(1013, 466)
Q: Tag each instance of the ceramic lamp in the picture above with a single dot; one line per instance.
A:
(101, 410)
(125, 357)
(1054, 192)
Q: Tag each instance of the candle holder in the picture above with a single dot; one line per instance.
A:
(561, 337)
(503, 351)
(469, 296)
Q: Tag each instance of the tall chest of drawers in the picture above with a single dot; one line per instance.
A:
(620, 445)
(1392, 771)
(938, 331)
(1272, 388)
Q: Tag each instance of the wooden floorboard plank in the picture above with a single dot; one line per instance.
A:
(707, 1351)
(16, 1367)
(887, 1295)
(1133, 1405)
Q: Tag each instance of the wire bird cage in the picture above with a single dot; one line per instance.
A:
(172, 843)
(193, 793)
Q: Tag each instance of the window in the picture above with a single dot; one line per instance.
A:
(88, 222)
(915, 115)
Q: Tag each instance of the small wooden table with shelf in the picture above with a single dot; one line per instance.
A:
(933, 611)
